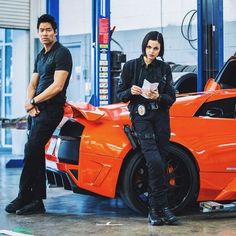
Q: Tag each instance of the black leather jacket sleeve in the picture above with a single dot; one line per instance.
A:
(124, 85)
(167, 91)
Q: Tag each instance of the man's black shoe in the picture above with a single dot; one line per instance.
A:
(154, 217)
(34, 207)
(15, 205)
(168, 217)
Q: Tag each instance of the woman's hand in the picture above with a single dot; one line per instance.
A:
(152, 94)
(136, 90)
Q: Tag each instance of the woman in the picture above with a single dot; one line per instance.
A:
(147, 84)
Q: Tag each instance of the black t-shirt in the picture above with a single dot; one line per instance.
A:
(58, 58)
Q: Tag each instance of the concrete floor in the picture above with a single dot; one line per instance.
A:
(72, 214)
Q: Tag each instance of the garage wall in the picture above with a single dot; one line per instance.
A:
(134, 18)
(177, 49)
(15, 14)
(139, 14)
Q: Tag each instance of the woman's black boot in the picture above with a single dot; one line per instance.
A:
(167, 216)
(154, 217)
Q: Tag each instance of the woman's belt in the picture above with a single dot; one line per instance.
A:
(143, 108)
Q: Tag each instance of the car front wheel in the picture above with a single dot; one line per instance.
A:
(182, 178)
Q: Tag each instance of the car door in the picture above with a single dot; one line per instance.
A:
(217, 119)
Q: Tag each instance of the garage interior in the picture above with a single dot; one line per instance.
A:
(198, 43)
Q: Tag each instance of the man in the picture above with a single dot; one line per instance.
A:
(46, 95)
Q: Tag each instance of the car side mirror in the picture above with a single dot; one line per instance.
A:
(211, 85)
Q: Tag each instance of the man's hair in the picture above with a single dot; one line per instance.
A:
(49, 19)
(153, 35)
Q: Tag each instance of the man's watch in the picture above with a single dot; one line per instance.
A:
(32, 101)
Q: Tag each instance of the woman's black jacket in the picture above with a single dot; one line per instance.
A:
(133, 74)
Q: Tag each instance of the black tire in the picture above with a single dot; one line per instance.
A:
(178, 68)
(187, 83)
(190, 69)
(182, 176)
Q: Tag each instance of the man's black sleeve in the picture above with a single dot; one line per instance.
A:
(35, 64)
(63, 59)
(124, 85)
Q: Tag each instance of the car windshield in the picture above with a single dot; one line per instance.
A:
(227, 77)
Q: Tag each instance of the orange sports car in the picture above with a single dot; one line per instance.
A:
(94, 151)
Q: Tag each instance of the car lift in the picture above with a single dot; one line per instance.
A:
(211, 207)
(210, 40)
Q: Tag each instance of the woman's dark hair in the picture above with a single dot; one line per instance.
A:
(153, 35)
(49, 19)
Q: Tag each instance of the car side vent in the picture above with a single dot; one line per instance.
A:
(69, 150)
(70, 135)
(71, 129)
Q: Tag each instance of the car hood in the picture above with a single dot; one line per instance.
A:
(188, 104)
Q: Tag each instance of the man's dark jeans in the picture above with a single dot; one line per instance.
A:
(33, 178)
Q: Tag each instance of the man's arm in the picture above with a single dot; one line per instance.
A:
(32, 86)
(31, 92)
(60, 77)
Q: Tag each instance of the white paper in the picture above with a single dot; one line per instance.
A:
(147, 87)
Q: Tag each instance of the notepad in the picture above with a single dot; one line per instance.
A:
(147, 87)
